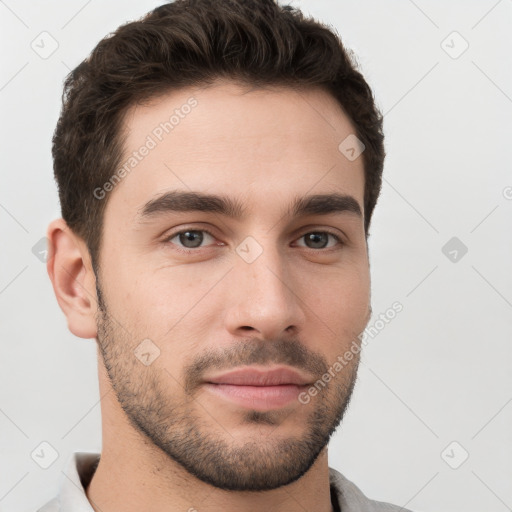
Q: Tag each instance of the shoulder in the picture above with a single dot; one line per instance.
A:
(51, 506)
(351, 498)
(73, 482)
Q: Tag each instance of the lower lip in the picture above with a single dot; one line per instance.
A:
(258, 397)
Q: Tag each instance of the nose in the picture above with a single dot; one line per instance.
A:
(264, 298)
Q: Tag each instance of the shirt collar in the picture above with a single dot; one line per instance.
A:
(76, 478)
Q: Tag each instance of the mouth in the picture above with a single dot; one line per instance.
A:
(260, 390)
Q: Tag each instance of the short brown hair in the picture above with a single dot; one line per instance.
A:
(189, 43)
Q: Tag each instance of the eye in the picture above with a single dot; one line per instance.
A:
(189, 238)
(320, 239)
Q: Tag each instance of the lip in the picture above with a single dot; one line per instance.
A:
(260, 390)
(251, 376)
(259, 398)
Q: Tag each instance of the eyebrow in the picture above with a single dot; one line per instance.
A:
(181, 201)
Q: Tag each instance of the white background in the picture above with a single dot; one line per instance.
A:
(439, 372)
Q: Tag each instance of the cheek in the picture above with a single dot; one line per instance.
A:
(340, 300)
(157, 303)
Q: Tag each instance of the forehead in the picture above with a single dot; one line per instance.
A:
(259, 145)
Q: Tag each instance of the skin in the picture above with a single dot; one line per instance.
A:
(169, 443)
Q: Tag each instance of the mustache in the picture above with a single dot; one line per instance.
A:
(254, 351)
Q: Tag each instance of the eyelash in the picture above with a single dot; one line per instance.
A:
(190, 251)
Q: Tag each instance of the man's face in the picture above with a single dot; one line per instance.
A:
(267, 288)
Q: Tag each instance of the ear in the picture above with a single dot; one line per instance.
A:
(74, 283)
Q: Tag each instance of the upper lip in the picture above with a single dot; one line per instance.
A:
(252, 377)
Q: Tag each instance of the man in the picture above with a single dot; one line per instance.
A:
(218, 163)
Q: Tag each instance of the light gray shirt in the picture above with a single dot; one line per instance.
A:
(72, 498)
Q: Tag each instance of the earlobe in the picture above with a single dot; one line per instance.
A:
(73, 279)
